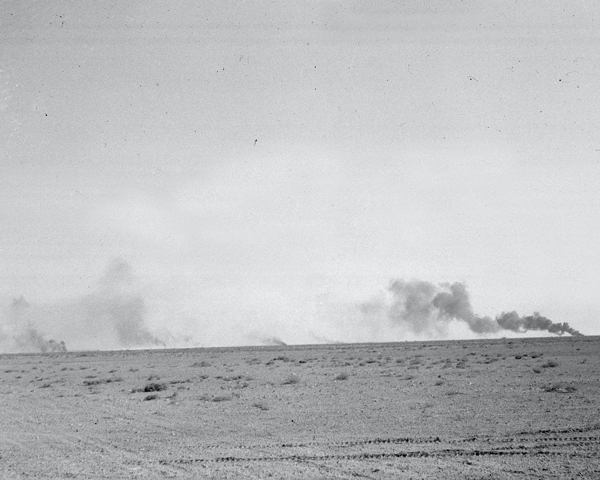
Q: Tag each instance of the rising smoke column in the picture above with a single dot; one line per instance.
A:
(427, 310)
(118, 306)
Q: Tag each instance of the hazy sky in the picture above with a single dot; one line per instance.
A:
(262, 168)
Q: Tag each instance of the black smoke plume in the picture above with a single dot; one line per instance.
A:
(512, 321)
(427, 310)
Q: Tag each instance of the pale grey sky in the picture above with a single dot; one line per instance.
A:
(264, 167)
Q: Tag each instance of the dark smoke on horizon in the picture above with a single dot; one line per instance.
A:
(427, 310)
(24, 335)
(273, 341)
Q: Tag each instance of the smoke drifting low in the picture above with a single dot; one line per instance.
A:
(111, 317)
(428, 310)
(22, 335)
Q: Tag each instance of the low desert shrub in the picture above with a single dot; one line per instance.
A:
(203, 363)
(99, 381)
(151, 387)
(231, 378)
(281, 358)
(291, 379)
(342, 376)
(550, 364)
(155, 387)
(150, 397)
(559, 388)
(216, 398)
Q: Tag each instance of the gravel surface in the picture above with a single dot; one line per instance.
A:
(509, 408)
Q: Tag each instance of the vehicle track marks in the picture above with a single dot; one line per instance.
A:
(526, 443)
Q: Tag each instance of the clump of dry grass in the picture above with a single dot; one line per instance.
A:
(233, 378)
(559, 388)
(342, 376)
(451, 393)
(89, 383)
(216, 398)
(175, 382)
(490, 360)
(261, 406)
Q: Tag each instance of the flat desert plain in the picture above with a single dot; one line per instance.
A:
(503, 408)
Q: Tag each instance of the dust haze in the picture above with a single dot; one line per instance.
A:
(116, 316)
(111, 317)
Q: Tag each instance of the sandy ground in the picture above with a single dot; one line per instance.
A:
(510, 408)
